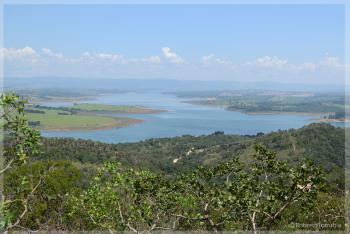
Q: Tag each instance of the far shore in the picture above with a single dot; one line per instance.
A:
(281, 113)
(40, 101)
(325, 120)
(259, 112)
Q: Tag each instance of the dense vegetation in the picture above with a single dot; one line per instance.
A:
(321, 143)
(229, 182)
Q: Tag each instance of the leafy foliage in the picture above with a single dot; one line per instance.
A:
(239, 185)
(224, 197)
(323, 144)
(24, 142)
(46, 205)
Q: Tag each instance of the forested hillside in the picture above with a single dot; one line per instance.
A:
(322, 143)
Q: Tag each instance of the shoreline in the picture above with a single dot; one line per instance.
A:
(136, 111)
(37, 101)
(323, 120)
(112, 118)
(117, 124)
(53, 99)
(282, 113)
(133, 109)
(258, 112)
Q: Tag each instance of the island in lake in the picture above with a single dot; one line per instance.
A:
(84, 116)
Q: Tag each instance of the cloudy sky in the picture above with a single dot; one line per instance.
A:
(282, 43)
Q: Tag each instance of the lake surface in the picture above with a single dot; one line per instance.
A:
(180, 119)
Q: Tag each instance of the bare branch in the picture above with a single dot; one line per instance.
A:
(7, 166)
(25, 205)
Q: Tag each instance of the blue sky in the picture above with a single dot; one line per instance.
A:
(223, 42)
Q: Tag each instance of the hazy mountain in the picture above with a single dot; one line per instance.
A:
(156, 84)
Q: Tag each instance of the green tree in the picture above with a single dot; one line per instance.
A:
(230, 196)
(121, 199)
(23, 143)
(47, 204)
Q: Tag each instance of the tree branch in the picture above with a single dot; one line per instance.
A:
(7, 166)
(25, 205)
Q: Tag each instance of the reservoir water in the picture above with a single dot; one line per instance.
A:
(179, 119)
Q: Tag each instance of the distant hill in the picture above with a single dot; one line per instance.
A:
(163, 84)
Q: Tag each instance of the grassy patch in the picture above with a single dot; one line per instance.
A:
(52, 120)
(113, 108)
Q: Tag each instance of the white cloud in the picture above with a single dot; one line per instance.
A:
(110, 57)
(213, 60)
(268, 61)
(309, 66)
(49, 53)
(330, 61)
(26, 53)
(171, 56)
(150, 59)
(21, 61)
(154, 59)
(101, 58)
(207, 59)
